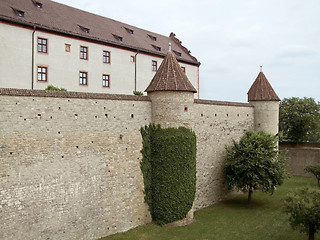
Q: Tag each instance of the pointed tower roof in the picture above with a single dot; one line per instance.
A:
(261, 90)
(170, 77)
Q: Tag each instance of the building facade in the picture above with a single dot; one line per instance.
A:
(47, 43)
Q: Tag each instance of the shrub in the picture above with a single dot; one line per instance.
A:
(169, 169)
(315, 170)
(53, 88)
(303, 207)
(254, 163)
(139, 93)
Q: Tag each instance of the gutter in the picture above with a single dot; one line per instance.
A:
(32, 61)
(135, 71)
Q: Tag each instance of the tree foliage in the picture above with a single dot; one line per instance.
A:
(300, 119)
(254, 163)
(315, 170)
(303, 206)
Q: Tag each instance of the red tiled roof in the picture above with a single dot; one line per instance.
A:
(261, 90)
(170, 77)
(62, 19)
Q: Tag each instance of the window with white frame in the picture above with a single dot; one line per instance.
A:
(106, 80)
(42, 45)
(106, 56)
(83, 78)
(83, 52)
(42, 73)
(154, 66)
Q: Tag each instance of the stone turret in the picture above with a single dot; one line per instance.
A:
(172, 94)
(266, 105)
(172, 100)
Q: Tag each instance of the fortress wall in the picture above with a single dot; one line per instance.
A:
(70, 162)
(70, 166)
(216, 124)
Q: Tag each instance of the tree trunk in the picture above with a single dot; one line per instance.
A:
(249, 195)
(311, 234)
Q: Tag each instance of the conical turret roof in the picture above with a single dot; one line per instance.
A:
(261, 90)
(170, 77)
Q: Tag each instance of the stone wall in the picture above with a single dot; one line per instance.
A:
(301, 155)
(70, 162)
(70, 167)
(216, 124)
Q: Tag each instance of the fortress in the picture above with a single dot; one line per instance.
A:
(70, 161)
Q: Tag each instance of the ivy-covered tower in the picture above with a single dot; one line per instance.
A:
(172, 100)
(266, 105)
(172, 94)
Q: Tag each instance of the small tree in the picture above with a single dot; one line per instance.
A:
(299, 119)
(315, 170)
(303, 207)
(254, 163)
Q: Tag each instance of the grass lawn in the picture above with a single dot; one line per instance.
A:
(233, 220)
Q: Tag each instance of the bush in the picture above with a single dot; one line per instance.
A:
(315, 170)
(303, 207)
(138, 93)
(254, 163)
(169, 169)
(53, 88)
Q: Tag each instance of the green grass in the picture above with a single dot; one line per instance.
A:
(233, 219)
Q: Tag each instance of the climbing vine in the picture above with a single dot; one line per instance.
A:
(169, 170)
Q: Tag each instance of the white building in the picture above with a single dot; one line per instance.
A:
(47, 43)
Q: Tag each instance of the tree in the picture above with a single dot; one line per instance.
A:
(304, 209)
(254, 163)
(300, 119)
(315, 170)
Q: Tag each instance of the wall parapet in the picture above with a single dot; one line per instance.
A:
(223, 103)
(66, 94)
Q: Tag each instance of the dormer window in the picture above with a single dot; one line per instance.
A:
(177, 53)
(18, 12)
(84, 29)
(156, 48)
(120, 39)
(152, 37)
(129, 30)
(37, 4)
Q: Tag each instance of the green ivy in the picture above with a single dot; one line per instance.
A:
(169, 170)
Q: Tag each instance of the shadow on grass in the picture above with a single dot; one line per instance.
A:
(242, 202)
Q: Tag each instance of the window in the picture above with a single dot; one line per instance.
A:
(105, 80)
(152, 37)
(37, 4)
(156, 48)
(129, 30)
(154, 66)
(120, 39)
(42, 45)
(84, 29)
(183, 69)
(68, 47)
(42, 73)
(83, 52)
(18, 12)
(83, 78)
(106, 57)
(177, 53)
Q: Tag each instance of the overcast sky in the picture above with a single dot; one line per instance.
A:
(232, 38)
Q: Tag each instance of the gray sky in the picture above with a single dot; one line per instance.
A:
(232, 38)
